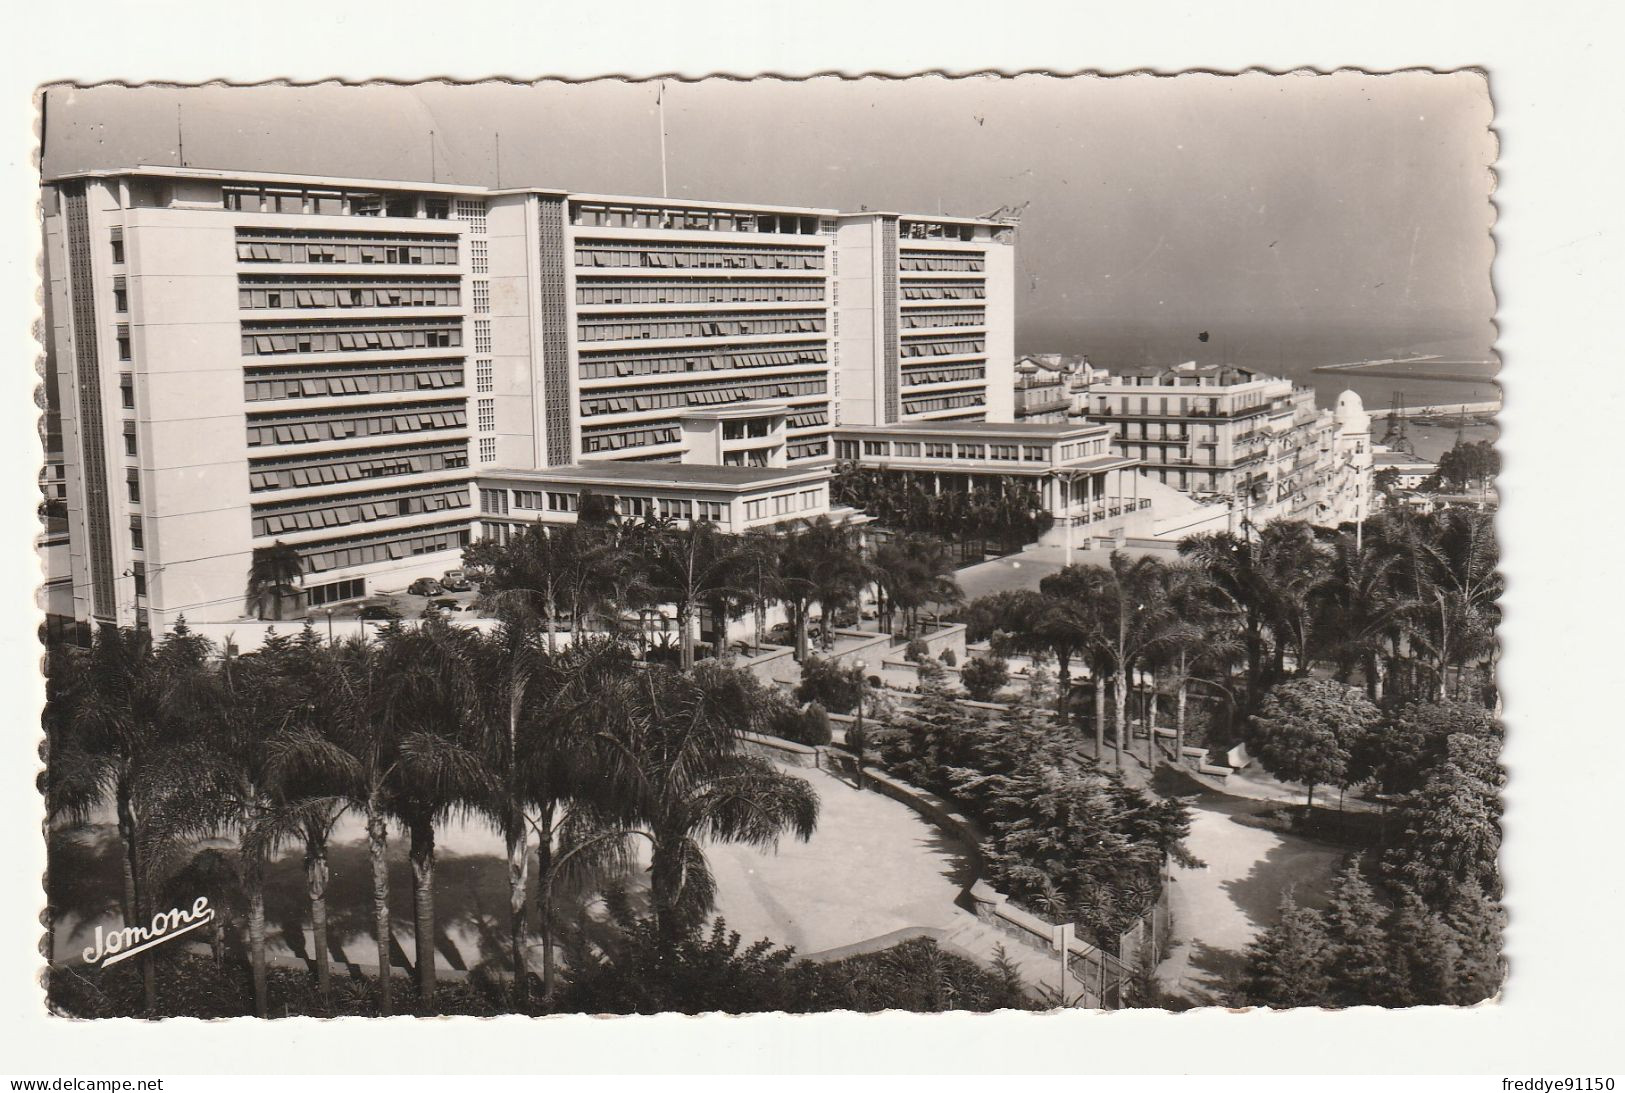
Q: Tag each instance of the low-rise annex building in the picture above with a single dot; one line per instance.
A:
(1088, 489)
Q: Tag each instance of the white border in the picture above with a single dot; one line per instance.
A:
(1556, 91)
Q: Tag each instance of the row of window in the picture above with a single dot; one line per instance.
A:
(308, 383)
(620, 439)
(404, 294)
(653, 363)
(350, 425)
(943, 402)
(943, 375)
(619, 329)
(784, 504)
(725, 220)
(341, 512)
(327, 470)
(365, 549)
(924, 320)
(953, 290)
(921, 262)
(700, 292)
(334, 202)
(915, 449)
(943, 347)
(922, 229)
(808, 419)
(336, 591)
(810, 449)
(260, 339)
(695, 256)
(353, 249)
(711, 394)
(1069, 452)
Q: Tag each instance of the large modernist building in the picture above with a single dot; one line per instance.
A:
(373, 372)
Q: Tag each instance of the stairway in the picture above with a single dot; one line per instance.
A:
(974, 939)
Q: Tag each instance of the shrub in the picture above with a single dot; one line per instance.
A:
(916, 651)
(809, 726)
(832, 686)
(985, 677)
(949, 658)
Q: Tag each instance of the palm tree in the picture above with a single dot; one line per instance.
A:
(693, 566)
(1135, 616)
(232, 786)
(430, 705)
(307, 803)
(672, 750)
(914, 570)
(1361, 607)
(1196, 639)
(837, 569)
(352, 749)
(1239, 591)
(1292, 567)
(117, 732)
(274, 574)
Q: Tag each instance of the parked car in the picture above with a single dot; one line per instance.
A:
(378, 612)
(425, 586)
(444, 603)
(455, 580)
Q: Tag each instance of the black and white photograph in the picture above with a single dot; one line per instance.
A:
(998, 543)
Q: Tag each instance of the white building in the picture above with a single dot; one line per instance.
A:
(246, 359)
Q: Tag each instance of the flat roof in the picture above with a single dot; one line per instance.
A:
(627, 473)
(1056, 429)
(691, 203)
(338, 181)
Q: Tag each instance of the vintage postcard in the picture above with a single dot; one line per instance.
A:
(679, 546)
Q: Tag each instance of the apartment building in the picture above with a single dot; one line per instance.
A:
(245, 360)
(924, 318)
(1220, 431)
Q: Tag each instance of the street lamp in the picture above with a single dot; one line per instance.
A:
(855, 737)
(330, 626)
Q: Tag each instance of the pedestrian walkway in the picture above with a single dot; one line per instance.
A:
(1219, 908)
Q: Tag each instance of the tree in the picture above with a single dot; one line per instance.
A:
(1451, 827)
(274, 574)
(1477, 924)
(1423, 954)
(912, 571)
(831, 684)
(693, 565)
(1291, 565)
(552, 572)
(429, 705)
(1360, 609)
(1402, 750)
(1287, 963)
(1306, 728)
(1357, 966)
(115, 736)
(985, 677)
(670, 745)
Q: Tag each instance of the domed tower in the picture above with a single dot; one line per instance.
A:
(1349, 497)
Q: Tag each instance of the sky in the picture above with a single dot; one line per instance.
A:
(1301, 219)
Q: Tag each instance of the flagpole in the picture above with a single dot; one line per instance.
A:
(660, 101)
